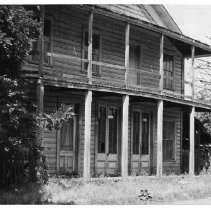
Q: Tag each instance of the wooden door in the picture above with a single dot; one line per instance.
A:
(66, 147)
(140, 158)
(107, 151)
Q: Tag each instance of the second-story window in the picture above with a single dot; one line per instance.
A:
(47, 44)
(96, 52)
(135, 61)
(168, 71)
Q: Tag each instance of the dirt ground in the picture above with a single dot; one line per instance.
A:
(205, 201)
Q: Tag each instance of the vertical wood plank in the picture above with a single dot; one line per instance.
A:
(192, 69)
(161, 63)
(87, 134)
(90, 35)
(124, 146)
(192, 135)
(127, 53)
(160, 139)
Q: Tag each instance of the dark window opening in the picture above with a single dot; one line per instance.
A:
(102, 130)
(112, 117)
(67, 135)
(136, 132)
(168, 70)
(47, 44)
(168, 140)
(145, 134)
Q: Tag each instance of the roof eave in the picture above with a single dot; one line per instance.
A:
(174, 35)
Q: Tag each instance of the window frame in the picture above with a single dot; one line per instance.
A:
(50, 59)
(134, 43)
(140, 131)
(173, 72)
(98, 32)
(174, 141)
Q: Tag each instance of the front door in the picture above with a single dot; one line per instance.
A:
(66, 147)
(107, 149)
(140, 160)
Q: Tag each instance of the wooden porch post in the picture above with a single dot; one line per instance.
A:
(192, 68)
(40, 86)
(127, 53)
(124, 145)
(90, 35)
(87, 134)
(161, 63)
(160, 139)
(192, 136)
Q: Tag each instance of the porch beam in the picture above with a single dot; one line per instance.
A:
(127, 53)
(124, 145)
(90, 35)
(160, 139)
(192, 137)
(192, 68)
(161, 63)
(87, 134)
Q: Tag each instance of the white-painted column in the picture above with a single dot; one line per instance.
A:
(192, 136)
(124, 145)
(127, 53)
(90, 35)
(160, 139)
(87, 134)
(161, 63)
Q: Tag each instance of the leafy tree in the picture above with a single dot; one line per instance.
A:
(19, 120)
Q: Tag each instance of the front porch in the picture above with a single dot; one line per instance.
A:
(113, 134)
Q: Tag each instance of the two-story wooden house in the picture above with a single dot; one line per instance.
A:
(121, 67)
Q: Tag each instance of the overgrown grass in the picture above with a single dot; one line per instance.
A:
(112, 190)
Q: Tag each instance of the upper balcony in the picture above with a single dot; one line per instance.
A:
(85, 46)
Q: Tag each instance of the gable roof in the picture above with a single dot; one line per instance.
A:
(155, 14)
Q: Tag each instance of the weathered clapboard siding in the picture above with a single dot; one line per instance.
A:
(68, 25)
(174, 165)
(52, 101)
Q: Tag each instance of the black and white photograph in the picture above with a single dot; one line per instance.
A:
(105, 103)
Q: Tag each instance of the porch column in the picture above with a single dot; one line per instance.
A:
(161, 63)
(124, 145)
(160, 139)
(192, 69)
(90, 35)
(87, 134)
(192, 136)
(127, 53)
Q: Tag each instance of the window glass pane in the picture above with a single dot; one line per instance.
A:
(145, 133)
(102, 130)
(67, 129)
(136, 132)
(168, 140)
(47, 28)
(112, 117)
(135, 54)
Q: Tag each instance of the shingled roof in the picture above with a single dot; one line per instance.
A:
(155, 14)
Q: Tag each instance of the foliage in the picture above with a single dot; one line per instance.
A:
(19, 121)
(18, 28)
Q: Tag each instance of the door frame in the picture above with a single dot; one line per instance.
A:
(58, 137)
(107, 106)
(141, 111)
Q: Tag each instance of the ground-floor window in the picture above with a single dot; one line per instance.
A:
(168, 140)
